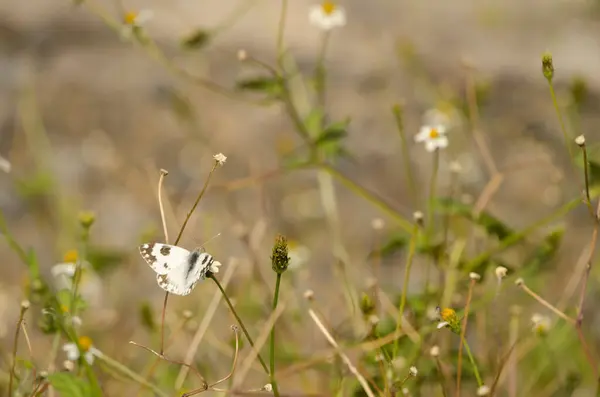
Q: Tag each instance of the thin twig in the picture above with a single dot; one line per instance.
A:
(163, 173)
(546, 303)
(344, 357)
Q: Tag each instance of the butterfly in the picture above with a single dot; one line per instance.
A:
(177, 269)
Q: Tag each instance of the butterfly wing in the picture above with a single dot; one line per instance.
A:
(182, 279)
(164, 258)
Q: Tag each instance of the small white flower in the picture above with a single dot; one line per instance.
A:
(413, 371)
(214, 268)
(138, 19)
(220, 158)
(434, 137)
(541, 323)
(501, 272)
(474, 276)
(5, 165)
(298, 254)
(268, 387)
(73, 351)
(434, 351)
(483, 390)
(327, 15)
(309, 294)
(580, 140)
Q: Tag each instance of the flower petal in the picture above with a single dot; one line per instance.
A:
(71, 351)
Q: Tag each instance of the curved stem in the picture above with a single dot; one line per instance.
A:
(272, 349)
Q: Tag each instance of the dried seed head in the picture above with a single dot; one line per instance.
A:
(580, 140)
(418, 217)
(280, 259)
(309, 294)
(25, 305)
(474, 276)
(501, 272)
(483, 390)
(519, 281)
(220, 158)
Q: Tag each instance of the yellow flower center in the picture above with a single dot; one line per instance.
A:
(448, 315)
(85, 342)
(434, 133)
(70, 256)
(328, 7)
(130, 18)
(64, 308)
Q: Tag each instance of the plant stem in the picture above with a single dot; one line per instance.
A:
(432, 192)
(280, 31)
(14, 351)
(240, 322)
(475, 369)
(409, 260)
(272, 350)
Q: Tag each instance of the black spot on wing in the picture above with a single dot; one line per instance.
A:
(165, 250)
(192, 262)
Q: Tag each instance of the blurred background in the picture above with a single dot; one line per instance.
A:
(88, 118)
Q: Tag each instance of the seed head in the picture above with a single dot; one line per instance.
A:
(220, 158)
(413, 371)
(501, 272)
(25, 305)
(309, 294)
(474, 276)
(418, 217)
(483, 390)
(580, 141)
(547, 66)
(86, 219)
(434, 351)
(519, 282)
(280, 259)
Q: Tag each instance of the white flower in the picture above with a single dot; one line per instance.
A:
(580, 140)
(4, 165)
(501, 272)
(434, 137)
(483, 390)
(541, 323)
(90, 283)
(220, 158)
(413, 371)
(298, 254)
(327, 15)
(137, 19)
(73, 351)
(214, 268)
(134, 20)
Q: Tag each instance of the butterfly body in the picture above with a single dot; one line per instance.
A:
(177, 269)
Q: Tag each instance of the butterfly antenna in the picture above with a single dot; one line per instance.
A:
(210, 239)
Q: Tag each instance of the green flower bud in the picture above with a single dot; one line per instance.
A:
(280, 259)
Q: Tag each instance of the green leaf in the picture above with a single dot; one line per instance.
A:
(272, 86)
(196, 40)
(333, 133)
(543, 254)
(492, 225)
(67, 385)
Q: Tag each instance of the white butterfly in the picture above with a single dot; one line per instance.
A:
(177, 269)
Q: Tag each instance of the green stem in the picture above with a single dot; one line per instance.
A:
(560, 120)
(409, 261)
(131, 374)
(240, 322)
(472, 360)
(272, 352)
(517, 237)
(399, 117)
(432, 192)
(369, 196)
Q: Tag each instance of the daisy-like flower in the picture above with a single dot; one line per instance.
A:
(83, 347)
(64, 273)
(541, 324)
(449, 319)
(327, 15)
(133, 21)
(4, 165)
(434, 137)
(298, 254)
(220, 158)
